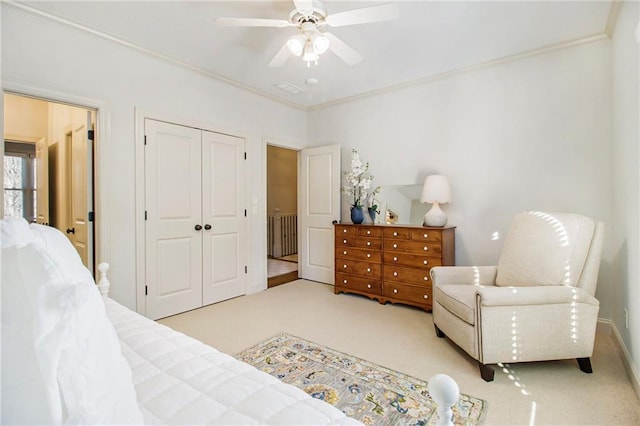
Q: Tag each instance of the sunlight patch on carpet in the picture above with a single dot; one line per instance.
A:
(368, 392)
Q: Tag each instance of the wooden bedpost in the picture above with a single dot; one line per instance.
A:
(103, 283)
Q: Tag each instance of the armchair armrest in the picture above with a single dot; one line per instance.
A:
(472, 275)
(539, 295)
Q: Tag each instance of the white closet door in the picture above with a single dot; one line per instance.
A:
(224, 252)
(173, 207)
(318, 206)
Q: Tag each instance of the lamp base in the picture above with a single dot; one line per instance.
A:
(435, 217)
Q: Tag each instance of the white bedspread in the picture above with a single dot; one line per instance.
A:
(179, 380)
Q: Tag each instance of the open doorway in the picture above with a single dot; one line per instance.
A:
(48, 167)
(282, 217)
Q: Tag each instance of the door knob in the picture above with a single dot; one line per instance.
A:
(207, 226)
(71, 230)
(198, 227)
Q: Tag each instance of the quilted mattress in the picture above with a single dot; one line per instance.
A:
(179, 380)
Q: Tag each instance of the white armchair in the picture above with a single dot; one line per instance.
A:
(537, 304)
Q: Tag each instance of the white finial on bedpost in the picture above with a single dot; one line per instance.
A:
(444, 391)
(103, 283)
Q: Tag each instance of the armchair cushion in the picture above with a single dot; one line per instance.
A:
(531, 296)
(545, 249)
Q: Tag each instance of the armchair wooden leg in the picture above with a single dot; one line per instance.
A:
(439, 332)
(486, 372)
(585, 365)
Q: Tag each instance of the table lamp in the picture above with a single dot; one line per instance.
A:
(435, 191)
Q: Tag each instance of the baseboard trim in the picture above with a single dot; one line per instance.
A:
(627, 361)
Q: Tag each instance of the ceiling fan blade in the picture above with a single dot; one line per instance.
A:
(383, 12)
(281, 57)
(304, 6)
(342, 50)
(251, 22)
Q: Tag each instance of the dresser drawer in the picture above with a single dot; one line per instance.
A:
(418, 295)
(418, 276)
(361, 242)
(362, 269)
(401, 246)
(358, 283)
(369, 231)
(397, 233)
(342, 230)
(426, 235)
(407, 259)
(359, 254)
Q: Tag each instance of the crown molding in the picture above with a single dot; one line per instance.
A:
(464, 70)
(612, 19)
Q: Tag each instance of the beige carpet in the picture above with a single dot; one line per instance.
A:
(402, 338)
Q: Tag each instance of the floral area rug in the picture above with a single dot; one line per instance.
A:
(373, 394)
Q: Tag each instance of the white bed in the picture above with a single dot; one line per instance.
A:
(89, 360)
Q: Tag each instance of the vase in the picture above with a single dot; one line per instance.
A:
(372, 214)
(357, 216)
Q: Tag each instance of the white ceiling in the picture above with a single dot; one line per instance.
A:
(428, 39)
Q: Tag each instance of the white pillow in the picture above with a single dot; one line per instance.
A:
(62, 252)
(14, 232)
(66, 337)
(22, 380)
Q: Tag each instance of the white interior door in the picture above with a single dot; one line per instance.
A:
(173, 207)
(223, 247)
(318, 207)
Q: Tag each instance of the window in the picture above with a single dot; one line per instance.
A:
(20, 181)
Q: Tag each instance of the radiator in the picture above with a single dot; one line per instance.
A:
(282, 235)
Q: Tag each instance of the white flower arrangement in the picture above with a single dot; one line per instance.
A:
(358, 180)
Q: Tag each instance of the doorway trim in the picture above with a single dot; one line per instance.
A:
(101, 184)
(273, 141)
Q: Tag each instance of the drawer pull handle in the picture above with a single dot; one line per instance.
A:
(395, 234)
(368, 269)
(426, 296)
(344, 252)
(425, 261)
(344, 241)
(344, 266)
(395, 274)
(368, 232)
(395, 246)
(426, 248)
(344, 230)
(368, 243)
(345, 281)
(368, 285)
(426, 278)
(426, 235)
(395, 259)
(368, 254)
(395, 290)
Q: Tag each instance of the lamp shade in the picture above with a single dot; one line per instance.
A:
(436, 189)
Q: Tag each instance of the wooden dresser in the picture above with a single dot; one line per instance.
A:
(391, 263)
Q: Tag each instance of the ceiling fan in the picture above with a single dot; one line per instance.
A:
(309, 16)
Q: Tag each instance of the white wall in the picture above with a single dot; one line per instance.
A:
(626, 180)
(531, 134)
(50, 56)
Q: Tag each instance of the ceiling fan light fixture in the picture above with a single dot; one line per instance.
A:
(309, 55)
(296, 44)
(320, 43)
